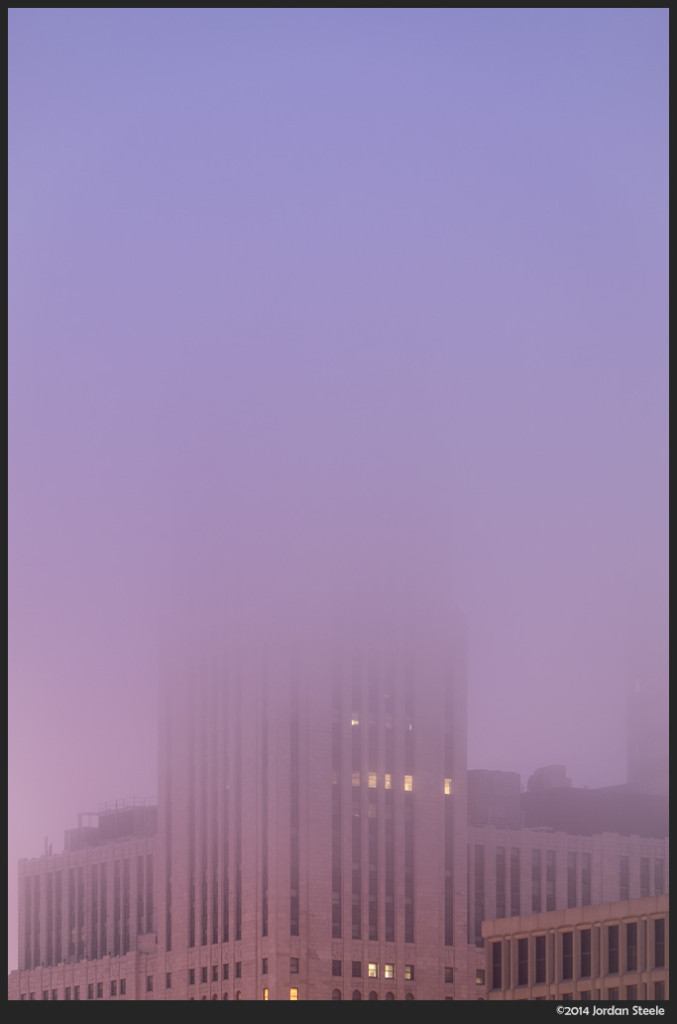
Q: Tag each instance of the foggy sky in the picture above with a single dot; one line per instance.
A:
(364, 307)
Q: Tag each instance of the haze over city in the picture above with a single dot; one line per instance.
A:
(333, 311)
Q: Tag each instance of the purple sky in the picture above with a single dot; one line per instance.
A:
(368, 296)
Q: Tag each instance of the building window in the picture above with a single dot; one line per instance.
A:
(448, 787)
(371, 780)
(612, 993)
(522, 961)
(631, 992)
(225, 972)
(149, 983)
(123, 986)
(500, 881)
(55, 993)
(203, 975)
(571, 879)
(567, 955)
(586, 879)
(540, 960)
(549, 879)
(357, 969)
(372, 970)
(585, 996)
(264, 965)
(373, 995)
(624, 888)
(357, 994)
(67, 994)
(389, 971)
(388, 781)
(336, 968)
(238, 968)
(631, 946)
(99, 990)
(45, 993)
(215, 972)
(90, 991)
(293, 993)
(265, 993)
(496, 965)
(659, 942)
(191, 976)
(336, 994)
(480, 977)
(448, 975)
(408, 783)
(659, 990)
(586, 953)
(168, 980)
(294, 965)
(644, 876)
(612, 939)
(408, 972)
(535, 881)
(514, 881)
(658, 878)
(113, 988)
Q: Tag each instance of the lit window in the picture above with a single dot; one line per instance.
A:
(389, 781)
(293, 993)
(408, 783)
(372, 780)
(389, 971)
(448, 787)
(355, 720)
(480, 977)
(409, 972)
(265, 993)
(372, 970)
(356, 778)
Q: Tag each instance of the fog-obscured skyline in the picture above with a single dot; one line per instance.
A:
(333, 308)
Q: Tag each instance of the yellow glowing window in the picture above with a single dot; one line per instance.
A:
(372, 970)
(372, 780)
(389, 781)
(408, 783)
(356, 778)
(448, 787)
(265, 993)
(355, 720)
(293, 993)
(389, 971)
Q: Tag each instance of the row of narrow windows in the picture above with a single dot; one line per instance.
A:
(88, 936)
(95, 990)
(542, 894)
(540, 959)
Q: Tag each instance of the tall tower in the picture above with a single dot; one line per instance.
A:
(312, 823)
